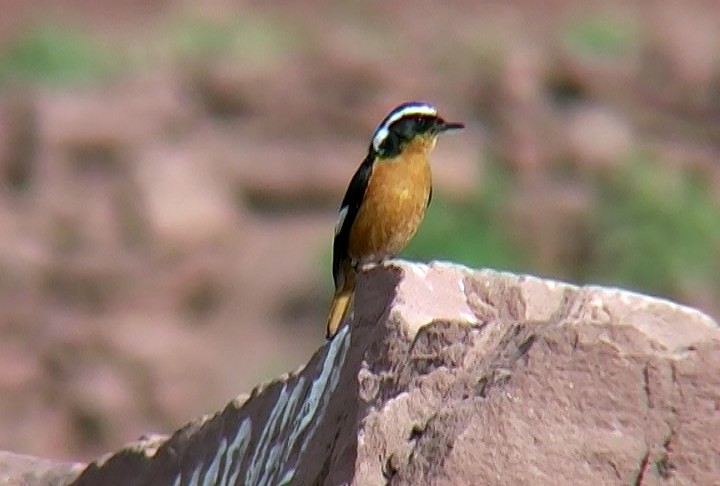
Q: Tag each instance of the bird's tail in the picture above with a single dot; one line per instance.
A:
(341, 303)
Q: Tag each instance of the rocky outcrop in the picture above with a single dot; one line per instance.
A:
(22, 470)
(454, 376)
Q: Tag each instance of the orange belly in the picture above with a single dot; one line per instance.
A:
(393, 208)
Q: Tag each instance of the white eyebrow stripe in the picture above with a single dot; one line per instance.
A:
(341, 219)
(380, 135)
(411, 110)
(382, 131)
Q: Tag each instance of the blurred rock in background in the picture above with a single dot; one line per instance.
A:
(169, 176)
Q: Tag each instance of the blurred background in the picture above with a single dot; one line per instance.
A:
(170, 173)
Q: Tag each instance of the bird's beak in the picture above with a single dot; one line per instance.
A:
(444, 127)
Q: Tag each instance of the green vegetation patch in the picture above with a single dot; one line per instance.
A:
(651, 228)
(601, 35)
(55, 55)
(470, 232)
(250, 39)
(657, 228)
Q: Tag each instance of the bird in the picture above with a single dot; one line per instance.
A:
(386, 199)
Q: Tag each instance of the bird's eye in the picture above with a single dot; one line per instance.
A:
(422, 124)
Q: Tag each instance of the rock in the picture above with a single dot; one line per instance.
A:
(542, 214)
(681, 55)
(598, 139)
(18, 140)
(20, 470)
(187, 200)
(454, 376)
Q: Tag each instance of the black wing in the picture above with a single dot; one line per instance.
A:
(429, 198)
(352, 201)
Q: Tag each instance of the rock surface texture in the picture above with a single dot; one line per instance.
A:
(450, 376)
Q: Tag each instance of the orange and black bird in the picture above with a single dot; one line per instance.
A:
(386, 199)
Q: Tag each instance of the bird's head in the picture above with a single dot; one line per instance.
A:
(414, 125)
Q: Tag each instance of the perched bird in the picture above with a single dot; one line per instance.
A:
(386, 199)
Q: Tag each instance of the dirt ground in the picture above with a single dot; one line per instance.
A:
(166, 234)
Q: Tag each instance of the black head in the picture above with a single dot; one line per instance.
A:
(405, 123)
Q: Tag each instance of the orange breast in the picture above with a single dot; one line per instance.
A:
(393, 207)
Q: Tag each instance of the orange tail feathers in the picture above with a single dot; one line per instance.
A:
(341, 303)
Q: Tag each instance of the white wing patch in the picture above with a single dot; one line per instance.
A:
(403, 110)
(341, 219)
